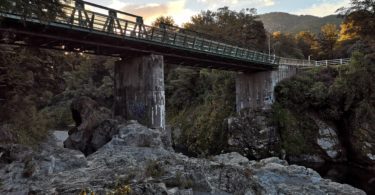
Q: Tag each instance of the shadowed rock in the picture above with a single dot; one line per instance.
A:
(146, 168)
(92, 129)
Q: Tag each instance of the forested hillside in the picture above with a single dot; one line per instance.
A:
(289, 23)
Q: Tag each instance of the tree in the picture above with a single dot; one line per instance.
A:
(327, 39)
(238, 28)
(348, 31)
(43, 9)
(166, 20)
(284, 45)
(361, 15)
(305, 41)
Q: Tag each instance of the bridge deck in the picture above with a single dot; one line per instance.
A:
(110, 34)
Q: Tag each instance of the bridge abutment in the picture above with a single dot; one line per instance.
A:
(139, 90)
(256, 90)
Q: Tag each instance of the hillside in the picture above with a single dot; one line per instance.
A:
(284, 22)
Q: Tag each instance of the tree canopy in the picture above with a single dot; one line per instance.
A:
(241, 27)
(361, 15)
(44, 9)
(166, 20)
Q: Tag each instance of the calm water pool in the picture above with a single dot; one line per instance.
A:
(346, 173)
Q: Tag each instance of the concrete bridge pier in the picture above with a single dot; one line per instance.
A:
(256, 90)
(139, 90)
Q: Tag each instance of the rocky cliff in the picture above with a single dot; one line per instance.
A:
(328, 113)
(322, 114)
(136, 161)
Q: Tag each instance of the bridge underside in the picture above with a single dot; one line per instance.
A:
(53, 36)
(139, 77)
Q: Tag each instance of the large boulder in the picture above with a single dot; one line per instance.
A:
(136, 135)
(93, 129)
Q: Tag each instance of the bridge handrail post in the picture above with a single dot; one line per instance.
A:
(202, 45)
(174, 39)
(209, 46)
(92, 21)
(195, 39)
(217, 48)
(184, 43)
(247, 54)
(152, 33)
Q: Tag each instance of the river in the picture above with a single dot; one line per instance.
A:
(346, 173)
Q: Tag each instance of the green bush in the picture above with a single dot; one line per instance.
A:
(198, 103)
(30, 126)
(298, 132)
(154, 169)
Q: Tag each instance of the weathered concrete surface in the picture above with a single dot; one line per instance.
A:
(256, 90)
(139, 90)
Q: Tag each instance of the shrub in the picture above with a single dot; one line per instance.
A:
(154, 169)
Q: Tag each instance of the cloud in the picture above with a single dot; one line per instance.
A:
(177, 9)
(212, 4)
(323, 9)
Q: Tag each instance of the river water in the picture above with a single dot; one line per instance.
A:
(346, 173)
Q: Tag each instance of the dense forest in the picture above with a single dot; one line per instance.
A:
(37, 86)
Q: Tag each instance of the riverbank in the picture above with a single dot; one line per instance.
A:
(142, 169)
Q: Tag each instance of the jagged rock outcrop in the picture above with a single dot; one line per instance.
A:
(134, 134)
(142, 169)
(252, 134)
(363, 142)
(92, 129)
(328, 139)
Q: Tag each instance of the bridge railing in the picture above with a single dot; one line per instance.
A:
(344, 61)
(301, 62)
(81, 15)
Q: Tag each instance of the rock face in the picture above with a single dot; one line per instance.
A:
(363, 142)
(328, 139)
(6, 135)
(135, 135)
(92, 129)
(252, 134)
(146, 167)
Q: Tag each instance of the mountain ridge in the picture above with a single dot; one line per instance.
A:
(290, 23)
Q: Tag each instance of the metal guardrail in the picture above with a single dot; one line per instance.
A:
(306, 63)
(81, 15)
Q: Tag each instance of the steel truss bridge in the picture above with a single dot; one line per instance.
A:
(100, 30)
(96, 29)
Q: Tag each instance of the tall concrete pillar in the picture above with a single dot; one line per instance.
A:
(139, 90)
(256, 90)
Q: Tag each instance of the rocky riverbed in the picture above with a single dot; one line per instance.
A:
(137, 162)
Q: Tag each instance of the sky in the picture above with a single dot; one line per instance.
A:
(182, 10)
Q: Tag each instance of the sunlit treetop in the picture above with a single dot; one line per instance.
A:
(43, 9)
